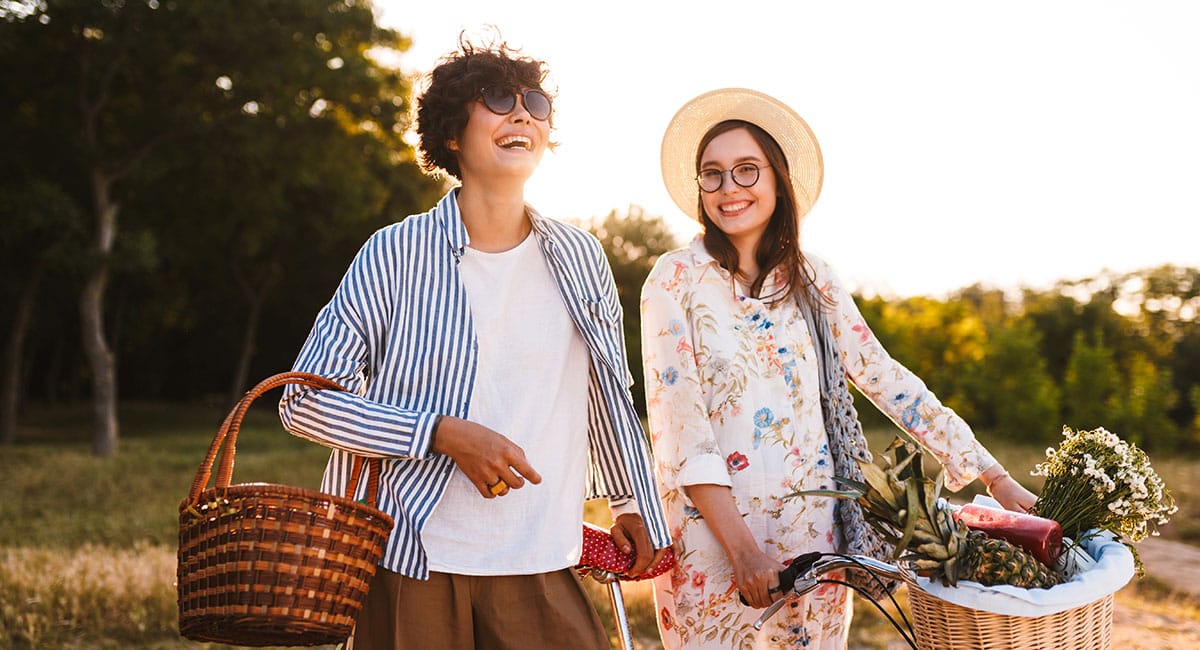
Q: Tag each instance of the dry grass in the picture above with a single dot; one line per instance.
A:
(94, 596)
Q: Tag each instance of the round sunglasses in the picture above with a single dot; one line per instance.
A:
(503, 101)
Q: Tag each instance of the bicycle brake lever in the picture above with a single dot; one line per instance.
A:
(769, 612)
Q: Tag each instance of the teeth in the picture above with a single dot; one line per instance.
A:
(734, 207)
(513, 141)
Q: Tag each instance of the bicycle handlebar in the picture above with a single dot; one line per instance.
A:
(804, 571)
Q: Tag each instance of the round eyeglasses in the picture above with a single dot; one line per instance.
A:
(503, 101)
(743, 174)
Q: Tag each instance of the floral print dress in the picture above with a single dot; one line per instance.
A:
(734, 399)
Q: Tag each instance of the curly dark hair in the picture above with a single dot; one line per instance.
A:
(455, 83)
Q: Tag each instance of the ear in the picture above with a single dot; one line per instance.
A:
(452, 144)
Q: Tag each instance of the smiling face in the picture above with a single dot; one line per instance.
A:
(494, 147)
(742, 213)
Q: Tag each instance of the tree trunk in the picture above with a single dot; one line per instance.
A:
(91, 308)
(255, 296)
(10, 399)
(249, 343)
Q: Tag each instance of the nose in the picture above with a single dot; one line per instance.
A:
(727, 183)
(520, 114)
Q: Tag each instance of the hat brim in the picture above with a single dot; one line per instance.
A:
(695, 118)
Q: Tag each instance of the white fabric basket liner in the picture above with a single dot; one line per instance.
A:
(1113, 569)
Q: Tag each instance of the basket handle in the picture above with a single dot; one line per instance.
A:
(228, 432)
(374, 469)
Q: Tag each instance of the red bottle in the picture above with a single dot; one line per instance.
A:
(1040, 536)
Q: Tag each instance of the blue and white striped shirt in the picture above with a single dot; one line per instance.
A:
(398, 336)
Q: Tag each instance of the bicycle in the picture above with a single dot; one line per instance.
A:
(804, 574)
(602, 561)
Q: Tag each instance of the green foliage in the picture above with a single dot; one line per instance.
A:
(1012, 389)
(252, 147)
(1146, 401)
(1194, 398)
(249, 149)
(1115, 350)
(936, 340)
(1091, 383)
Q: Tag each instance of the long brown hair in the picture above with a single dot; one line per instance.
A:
(779, 246)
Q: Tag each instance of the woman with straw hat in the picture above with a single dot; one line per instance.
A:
(748, 342)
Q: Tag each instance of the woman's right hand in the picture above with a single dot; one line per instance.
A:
(484, 455)
(756, 576)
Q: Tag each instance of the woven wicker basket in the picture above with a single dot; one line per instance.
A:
(263, 564)
(942, 625)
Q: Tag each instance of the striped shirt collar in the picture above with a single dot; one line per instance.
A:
(448, 214)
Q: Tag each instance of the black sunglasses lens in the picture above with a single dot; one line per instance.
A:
(499, 100)
(537, 103)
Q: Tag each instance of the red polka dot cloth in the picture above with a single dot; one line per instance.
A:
(601, 552)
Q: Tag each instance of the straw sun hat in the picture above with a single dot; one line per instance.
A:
(691, 122)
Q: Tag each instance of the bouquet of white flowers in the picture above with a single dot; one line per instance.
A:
(1097, 481)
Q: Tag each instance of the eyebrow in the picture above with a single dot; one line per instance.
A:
(743, 159)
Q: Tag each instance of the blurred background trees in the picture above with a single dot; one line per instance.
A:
(182, 185)
(203, 149)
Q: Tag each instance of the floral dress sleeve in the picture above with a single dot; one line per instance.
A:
(899, 393)
(685, 448)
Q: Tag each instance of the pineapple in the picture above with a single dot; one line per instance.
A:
(901, 502)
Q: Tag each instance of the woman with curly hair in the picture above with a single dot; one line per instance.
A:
(481, 346)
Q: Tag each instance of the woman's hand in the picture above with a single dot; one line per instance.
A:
(630, 535)
(485, 456)
(1011, 494)
(756, 576)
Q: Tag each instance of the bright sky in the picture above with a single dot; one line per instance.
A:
(1011, 144)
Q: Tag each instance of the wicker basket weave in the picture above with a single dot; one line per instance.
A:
(942, 625)
(263, 564)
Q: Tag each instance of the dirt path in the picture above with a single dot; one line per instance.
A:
(1138, 626)
(1174, 564)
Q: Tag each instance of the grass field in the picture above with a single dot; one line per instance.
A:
(87, 545)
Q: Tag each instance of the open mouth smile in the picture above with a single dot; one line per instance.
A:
(515, 142)
(733, 209)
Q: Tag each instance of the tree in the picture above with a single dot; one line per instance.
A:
(1091, 384)
(1144, 406)
(1167, 304)
(314, 162)
(38, 235)
(937, 340)
(126, 87)
(1012, 389)
(1194, 398)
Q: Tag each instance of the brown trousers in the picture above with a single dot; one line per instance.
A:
(545, 611)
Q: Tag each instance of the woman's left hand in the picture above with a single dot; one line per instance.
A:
(1011, 494)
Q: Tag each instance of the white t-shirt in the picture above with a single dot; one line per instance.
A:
(531, 386)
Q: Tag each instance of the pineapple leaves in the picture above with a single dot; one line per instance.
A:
(912, 491)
